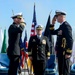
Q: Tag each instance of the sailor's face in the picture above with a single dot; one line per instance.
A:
(59, 17)
(15, 20)
(38, 31)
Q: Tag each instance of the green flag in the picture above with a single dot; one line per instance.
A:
(4, 45)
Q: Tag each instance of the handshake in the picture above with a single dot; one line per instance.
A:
(22, 22)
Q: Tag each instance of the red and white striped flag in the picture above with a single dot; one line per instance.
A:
(34, 23)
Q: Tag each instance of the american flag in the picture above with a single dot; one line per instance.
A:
(24, 50)
(34, 23)
(33, 33)
(26, 45)
(21, 63)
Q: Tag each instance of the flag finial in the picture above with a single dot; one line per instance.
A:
(34, 3)
(50, 12)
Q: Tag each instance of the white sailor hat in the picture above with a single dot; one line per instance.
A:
(57, 12)
(17, 15)
(39, 27)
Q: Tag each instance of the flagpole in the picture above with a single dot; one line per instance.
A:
(12, 12)
(34, 3)
(52, 37)
(50, 12)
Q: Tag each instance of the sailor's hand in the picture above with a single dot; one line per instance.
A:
(23, 24)
(30, 57)
(67, 56)
(22, 20)
(56, 52)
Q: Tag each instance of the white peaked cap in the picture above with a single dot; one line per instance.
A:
(39, 26)
(16, 15)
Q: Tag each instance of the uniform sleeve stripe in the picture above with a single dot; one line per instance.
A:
(22, 48)
(29, 53)
(51, 28)
(69, 51)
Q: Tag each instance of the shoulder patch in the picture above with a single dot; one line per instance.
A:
(60, 32)
(43, 41)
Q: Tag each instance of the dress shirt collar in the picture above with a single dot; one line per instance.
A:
(39, 36)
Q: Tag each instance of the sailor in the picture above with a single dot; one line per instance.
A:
(39, 50)
(14, 34)
(64, 42)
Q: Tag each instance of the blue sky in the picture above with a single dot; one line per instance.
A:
(43, 8)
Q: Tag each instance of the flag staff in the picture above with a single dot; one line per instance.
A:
(50, 12)
(12, 12)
